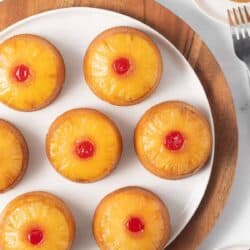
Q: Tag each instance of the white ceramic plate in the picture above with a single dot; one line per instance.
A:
(218, 8)
(72, 30)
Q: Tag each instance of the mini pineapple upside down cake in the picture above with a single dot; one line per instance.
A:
(122, 66)
(83, 145)
(173, 140)
(31, 72)
(14, 155)
(36, 220)
(131, 218)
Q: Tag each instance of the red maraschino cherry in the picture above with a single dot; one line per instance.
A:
(135, 225)
(21, 73)
(35, 236)
(121, 65)
(174, 141)
(85, 149)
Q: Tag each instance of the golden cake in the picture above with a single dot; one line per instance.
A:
(122, 66)
(36, 220)
(131, 218)
(14, 155)
(173, 140)
(31, 72)
(83, 145)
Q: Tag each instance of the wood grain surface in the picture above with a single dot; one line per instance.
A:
(211, 76)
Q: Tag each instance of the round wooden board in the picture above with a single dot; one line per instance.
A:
(211, 76)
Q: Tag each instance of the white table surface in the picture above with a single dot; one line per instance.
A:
(233, 226)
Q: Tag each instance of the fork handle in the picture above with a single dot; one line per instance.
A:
(248, 70)
(247, 63)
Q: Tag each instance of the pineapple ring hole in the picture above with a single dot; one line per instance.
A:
(35, 236)
(85, 149)
(135, 225)
(121, 65)
(21, 73)
(174, 140)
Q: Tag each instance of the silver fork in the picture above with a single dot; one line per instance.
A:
(239, 20)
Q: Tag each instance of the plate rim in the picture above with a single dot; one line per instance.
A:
(218, 20)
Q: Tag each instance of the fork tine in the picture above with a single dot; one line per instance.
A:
(236, 17)
(242, 19)
(247, 14)
(241, 31)
(247, 18)
(234, 26)
(239, 23)
(230, 18)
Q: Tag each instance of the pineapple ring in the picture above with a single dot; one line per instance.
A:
(122, 66)
(143, 224)
(14, 156)
(41, 214)
(173, 140)
(83, 145)
(31, 72)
